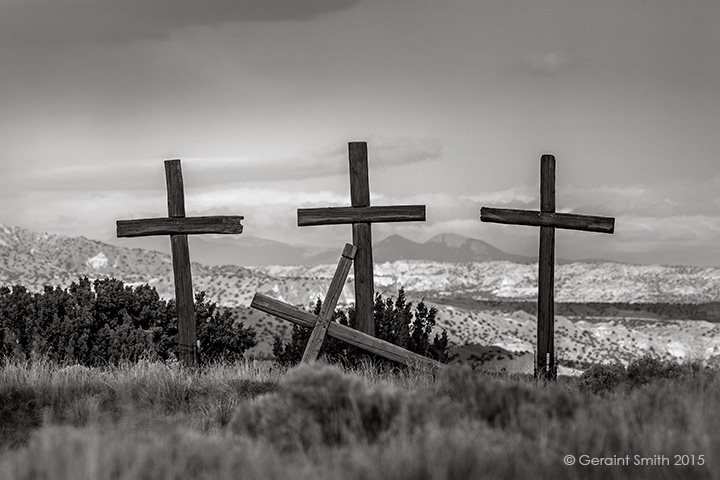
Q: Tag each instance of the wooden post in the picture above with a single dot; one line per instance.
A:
(546, 268)
(361, 215)
(328, 307)
(548, 220)
(178, 227)
(362, 238)
(184, 299)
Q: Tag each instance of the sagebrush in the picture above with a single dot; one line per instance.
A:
(255, 421)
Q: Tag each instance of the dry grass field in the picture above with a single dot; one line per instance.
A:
(253, 420)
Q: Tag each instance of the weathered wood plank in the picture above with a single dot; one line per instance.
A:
(546, 274)
(362, 236)
(344, 215)
(175, 191)
(145, 227)
(328, 307)
(184, 299)
(569, 221)
(546, 298)
(341, 332)
(359, 178)
(364, 278)
(547, 183)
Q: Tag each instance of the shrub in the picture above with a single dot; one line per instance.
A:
(642, 371)
(602, 377)
(647, 368)
(219, 336)
(505, 403)
(319, 405)
(395, 321)
(106, 322)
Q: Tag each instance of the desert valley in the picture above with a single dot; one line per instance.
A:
(605, 311)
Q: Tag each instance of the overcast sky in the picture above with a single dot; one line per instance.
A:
(457, 100)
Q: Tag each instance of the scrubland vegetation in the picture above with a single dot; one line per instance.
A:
(89, 389)
(255, 420)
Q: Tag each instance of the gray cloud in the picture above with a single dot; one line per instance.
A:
(382, 153)
(147, 174)
(659, 200)
(57, 22)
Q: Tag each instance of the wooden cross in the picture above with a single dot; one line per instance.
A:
(322, 324)
(179, 227)
(548, 220)
(361, 215)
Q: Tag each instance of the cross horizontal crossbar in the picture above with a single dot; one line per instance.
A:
(145, 227)
(342, 332)
(569, 221)
(339, 215)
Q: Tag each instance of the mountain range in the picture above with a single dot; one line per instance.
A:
(36, 259)
(255, 251)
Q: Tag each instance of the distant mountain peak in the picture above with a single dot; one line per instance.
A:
(452, 240)
(396, 239)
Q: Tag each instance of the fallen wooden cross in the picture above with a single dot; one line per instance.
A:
(179, 227)
(361, 215)
(328, 306)
(322, 324)
(548, 220)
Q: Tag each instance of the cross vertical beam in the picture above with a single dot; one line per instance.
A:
(362, 239)
(546, 270)
(178, 226)
(548, 220)
(187, 339)
(361, 215)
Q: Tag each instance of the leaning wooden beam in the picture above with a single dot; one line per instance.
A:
(343, 333)
(145, 227)
(567, 221)
(340, 215)
(312, 350)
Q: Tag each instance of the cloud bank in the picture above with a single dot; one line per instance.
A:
(215, 172)
(57, 22)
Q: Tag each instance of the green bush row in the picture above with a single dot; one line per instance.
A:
(105, 322)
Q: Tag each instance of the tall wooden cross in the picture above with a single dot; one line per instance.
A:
(361, 215)
(548, 220)
(178, 226)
